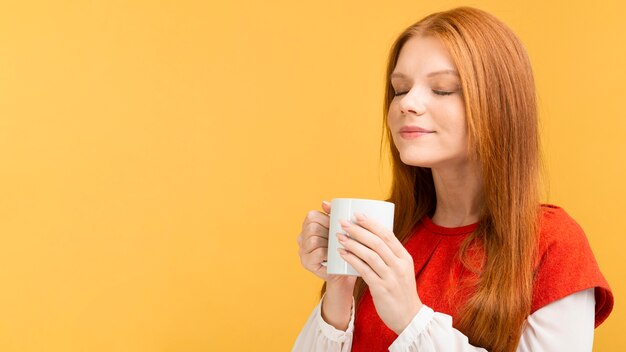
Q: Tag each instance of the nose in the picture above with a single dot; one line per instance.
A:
(412, 103)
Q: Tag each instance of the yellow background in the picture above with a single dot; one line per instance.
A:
(158, 158)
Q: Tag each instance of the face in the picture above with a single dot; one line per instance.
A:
(428, 100)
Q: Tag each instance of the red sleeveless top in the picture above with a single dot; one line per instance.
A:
(567, 265)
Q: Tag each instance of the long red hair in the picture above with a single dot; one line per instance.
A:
(501, 114)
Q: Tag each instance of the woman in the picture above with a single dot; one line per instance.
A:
(475, 262)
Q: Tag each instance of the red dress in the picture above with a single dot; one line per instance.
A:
(567, 265)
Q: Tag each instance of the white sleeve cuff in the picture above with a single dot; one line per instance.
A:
(417, 325)
(330, 331)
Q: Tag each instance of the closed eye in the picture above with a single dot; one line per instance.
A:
(438, 92)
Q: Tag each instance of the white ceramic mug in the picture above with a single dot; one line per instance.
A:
(345, 208)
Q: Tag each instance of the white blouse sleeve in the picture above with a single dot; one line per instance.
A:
(319, 336)
(564, 325)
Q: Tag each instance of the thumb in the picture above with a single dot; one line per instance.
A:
(326, 206)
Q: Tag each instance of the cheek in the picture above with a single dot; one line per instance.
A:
(454, 125)
(455, 116)
(392, 117)
(393, 108)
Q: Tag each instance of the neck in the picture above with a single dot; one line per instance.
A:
(459, 195)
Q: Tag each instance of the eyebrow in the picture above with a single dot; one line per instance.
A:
(442, 72)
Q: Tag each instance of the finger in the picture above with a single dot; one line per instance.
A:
(383, 233)
(367, 255)
(316, 216)
(314, 229)
(322, 271)
(314, 260)
(314, 242)
(368, 275)
(371, 240)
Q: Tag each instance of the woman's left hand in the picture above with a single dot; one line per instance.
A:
(387, 268)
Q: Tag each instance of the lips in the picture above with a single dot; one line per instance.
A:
(414, 129)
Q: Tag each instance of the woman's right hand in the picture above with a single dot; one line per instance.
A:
(313, 247)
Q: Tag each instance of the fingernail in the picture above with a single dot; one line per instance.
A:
(326, 202)
(359, 216)
(344, 223)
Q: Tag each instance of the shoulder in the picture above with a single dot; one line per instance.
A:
(556, 221)
(566, 263)
(558, 230)
(562, 239)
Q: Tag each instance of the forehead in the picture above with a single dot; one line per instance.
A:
(422, 55)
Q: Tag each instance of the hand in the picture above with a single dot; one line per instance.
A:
(313, 248)
(387, 268)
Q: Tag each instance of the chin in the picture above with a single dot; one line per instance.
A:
(436, 161)
(419, 161)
